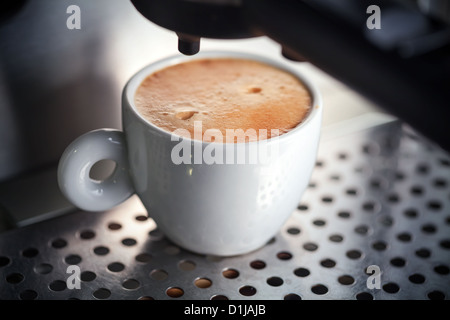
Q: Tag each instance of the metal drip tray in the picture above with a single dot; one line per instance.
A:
(379, 198)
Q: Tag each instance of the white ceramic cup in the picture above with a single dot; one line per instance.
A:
(218, 209)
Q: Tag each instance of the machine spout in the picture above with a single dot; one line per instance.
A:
(187, 44)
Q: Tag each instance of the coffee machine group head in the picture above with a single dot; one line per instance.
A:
(192, 20)
(196, 19)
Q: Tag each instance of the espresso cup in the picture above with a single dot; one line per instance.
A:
(222, 209)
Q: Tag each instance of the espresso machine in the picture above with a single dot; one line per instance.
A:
(379, 197)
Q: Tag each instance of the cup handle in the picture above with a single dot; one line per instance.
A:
(77, 161)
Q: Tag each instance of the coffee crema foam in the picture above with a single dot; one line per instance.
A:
(223, 93)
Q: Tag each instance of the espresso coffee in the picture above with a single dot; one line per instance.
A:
(218, 198)
(223, 94)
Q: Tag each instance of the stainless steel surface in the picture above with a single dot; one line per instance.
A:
(33, 198)
(379, 197)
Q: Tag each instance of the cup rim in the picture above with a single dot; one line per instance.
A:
(134, 82)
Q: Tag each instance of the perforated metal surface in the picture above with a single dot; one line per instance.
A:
(381, 197)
